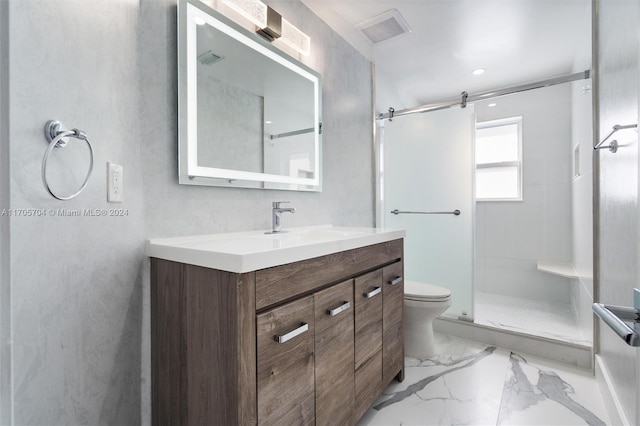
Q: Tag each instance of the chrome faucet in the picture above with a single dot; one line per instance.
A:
(275, 213)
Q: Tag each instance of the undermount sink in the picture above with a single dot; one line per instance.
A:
(249, 251)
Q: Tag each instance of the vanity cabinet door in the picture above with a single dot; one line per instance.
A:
(368, 300)
(392, 311)
(334, 347)
(285, 352)
(368, 339)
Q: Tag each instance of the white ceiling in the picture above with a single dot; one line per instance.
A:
(516, 41)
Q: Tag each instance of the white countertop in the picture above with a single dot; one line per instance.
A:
(249, 251)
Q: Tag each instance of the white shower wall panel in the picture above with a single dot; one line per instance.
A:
(513, 236)
(521, 278)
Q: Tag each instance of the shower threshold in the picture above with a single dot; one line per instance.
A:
(555, 321)
(528, 326)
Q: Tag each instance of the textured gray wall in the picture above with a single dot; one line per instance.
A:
(79, 285)
(75, 281)
(618, 93)
(5, 283)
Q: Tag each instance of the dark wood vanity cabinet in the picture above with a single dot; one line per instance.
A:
(310, 342)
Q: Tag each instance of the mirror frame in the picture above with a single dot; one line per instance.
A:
(189, 172)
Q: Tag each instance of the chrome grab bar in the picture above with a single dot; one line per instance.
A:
(613, 146)
(396, 212)
(614, 315)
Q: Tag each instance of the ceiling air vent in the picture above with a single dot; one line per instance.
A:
(383, 27)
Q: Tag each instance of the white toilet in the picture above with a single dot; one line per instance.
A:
(422, 304)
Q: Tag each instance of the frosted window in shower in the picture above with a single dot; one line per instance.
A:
(499, 160)
(497, 183)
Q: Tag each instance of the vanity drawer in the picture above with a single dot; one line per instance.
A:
(280, 283)
(285, 352)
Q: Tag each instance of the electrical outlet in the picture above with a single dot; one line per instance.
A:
(114, 183)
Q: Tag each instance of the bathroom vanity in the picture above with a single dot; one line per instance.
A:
(296, 328)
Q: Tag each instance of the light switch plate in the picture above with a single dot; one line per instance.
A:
(115, 183)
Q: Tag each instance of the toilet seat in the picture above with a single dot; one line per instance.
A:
(419, 291)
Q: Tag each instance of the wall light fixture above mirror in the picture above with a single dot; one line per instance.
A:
(249, 115)
(271, 25)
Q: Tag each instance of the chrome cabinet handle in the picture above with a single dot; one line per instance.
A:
(333, 312)
(373, 292)
(293, 333)
(396, 280)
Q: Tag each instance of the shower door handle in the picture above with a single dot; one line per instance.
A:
(613, 316)
(397, 212)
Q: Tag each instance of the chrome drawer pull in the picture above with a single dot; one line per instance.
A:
(293, 333)
(395, 281)
(373, 292)
(333, 312)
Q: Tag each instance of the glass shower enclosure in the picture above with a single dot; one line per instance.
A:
(426, 171)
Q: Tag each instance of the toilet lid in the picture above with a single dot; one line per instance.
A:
(423, 291)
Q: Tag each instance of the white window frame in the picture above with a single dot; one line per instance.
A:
(519, 163)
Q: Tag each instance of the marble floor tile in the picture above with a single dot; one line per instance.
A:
(540, 392)
(535, 317)
(470, 383)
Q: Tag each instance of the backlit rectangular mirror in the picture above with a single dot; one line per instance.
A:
(249, 115)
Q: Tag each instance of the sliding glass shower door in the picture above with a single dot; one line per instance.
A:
(427, 172)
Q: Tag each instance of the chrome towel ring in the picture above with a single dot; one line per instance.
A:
(56, 138)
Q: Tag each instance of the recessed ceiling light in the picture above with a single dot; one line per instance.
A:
(491, 105)
(267, 122)
(478, 71)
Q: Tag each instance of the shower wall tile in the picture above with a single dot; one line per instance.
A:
(521, 278)
(480, 273)
(512, 229)
(581, 301)
(480, 247)
(582, 192)
(513, 236)
(557, 227)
